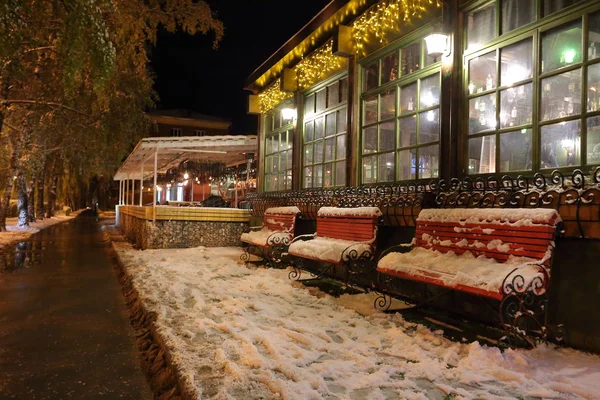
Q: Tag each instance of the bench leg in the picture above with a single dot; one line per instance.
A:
(297, 264)
(523, 316)
(258, 251)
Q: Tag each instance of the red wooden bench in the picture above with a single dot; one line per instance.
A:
(345, 237)
(500, 254)
(273, 237)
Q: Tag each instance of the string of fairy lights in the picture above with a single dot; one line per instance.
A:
(375, 24)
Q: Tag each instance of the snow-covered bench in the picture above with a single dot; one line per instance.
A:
(272, 238)
(500, 254)
(345, 237)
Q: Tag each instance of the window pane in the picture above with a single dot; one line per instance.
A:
(515, 151)
(551, 6)
(408, 131)
(560, 144)
(309, 105)
(342, 126)
(593, 99)
(288, 180)
(388, 105)
(275, 158)
(370, 140)
(370, 169)
(408, 96)
(343, 90)
(318, 176)
(370, 111)
(561, 46)
(330, 149)
(429, 161)
(389, 68)
(594, 36)
(371, 76)
(481, 25)
(283, 160)
(516, 13)
(429, 129)
(482, 155)
(593, 140)
(333, 95)
(309, 131)
(386, 167)
(276, 119)
(561, 95)
(321, 97)
(516, 106)
(330, 124)
(411, 58)
(318, 152)
(430, 91)
(340, 173)
(269, 164)
(429, 60)
(308, 177)
(516, 63)
(290, 140)
(482, 73)
(329, 173)
(482, 113)
(308, 154)
(406, 164)
(290, 160)
(275, 143)
(319, 128)
(341, 147)
(387, 133)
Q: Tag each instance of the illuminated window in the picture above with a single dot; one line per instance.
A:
(400, 116)
(278, 151)
(324, 135)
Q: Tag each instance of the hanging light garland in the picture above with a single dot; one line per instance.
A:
(317, 65)
(384, 17)
(272, 96)
(375, 22)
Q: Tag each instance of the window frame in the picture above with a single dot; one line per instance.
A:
(269, 132)
(417, 76)
(535, 31)
(328, 110)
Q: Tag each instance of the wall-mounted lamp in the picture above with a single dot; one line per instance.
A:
(437, 44)
(288, 113)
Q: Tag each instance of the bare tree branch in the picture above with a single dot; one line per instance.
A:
(43, 103)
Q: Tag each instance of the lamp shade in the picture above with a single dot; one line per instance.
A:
(288, 113)
(436, 44)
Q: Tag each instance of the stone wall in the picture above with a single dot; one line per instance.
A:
(181, 234)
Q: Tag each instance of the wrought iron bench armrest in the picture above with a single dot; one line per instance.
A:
(398, 248)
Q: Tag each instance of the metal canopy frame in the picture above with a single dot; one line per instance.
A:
(153, 156)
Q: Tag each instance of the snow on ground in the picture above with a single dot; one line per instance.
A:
(15, 233)
(240, 333)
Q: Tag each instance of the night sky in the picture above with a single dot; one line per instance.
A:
(190, 74)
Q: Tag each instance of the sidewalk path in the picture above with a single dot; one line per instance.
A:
(64, 330)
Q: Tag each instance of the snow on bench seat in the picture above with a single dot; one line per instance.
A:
(339, 231)
(278, 227)
(478, 250)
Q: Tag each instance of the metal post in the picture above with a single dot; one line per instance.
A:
(141, 184)
(154, 190)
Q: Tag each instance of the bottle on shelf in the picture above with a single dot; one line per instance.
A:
(489, 83)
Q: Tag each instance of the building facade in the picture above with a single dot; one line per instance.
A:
(365, 102)
(516, 91)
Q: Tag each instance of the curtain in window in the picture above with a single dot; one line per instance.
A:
(516, 13)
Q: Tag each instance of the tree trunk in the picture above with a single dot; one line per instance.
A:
(8, 187)
(40, 196)
(22, 201)
(52, 197)
(31, 200)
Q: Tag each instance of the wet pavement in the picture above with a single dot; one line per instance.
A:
(64, 329)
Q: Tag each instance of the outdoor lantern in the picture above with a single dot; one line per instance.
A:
(437, 44)
(288, 113)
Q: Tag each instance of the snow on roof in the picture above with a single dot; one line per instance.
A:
(358, 211)
(282, 210)
(518, 216)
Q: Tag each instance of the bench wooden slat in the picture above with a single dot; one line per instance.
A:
(523, 228)
(539, 239)
(517, 241)
(497, 255)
